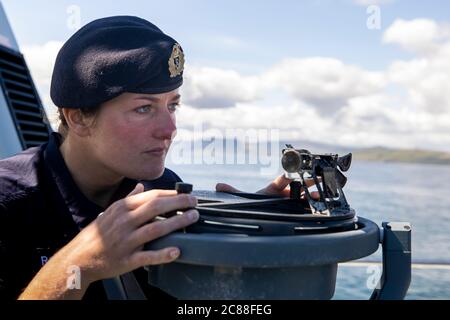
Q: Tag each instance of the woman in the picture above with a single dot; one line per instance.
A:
(116, 84)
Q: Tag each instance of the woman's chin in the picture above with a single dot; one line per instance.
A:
(153, 174)
(144, 172)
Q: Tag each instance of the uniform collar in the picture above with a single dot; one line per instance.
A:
(81, 208)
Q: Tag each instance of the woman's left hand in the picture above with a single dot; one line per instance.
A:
(278, 187)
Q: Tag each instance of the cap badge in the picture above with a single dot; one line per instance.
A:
(176, 61)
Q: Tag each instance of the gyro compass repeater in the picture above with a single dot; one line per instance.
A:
(324, 169)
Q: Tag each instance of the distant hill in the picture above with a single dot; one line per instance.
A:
(380, 153)
(397, 155)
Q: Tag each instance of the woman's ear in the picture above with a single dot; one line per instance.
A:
(76, 122)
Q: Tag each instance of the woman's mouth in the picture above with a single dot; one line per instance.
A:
(158, 152)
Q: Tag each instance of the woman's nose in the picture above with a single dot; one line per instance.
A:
(166, 127)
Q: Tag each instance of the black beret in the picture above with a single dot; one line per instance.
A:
(113, 55)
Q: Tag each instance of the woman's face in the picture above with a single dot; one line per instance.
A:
(133, 132)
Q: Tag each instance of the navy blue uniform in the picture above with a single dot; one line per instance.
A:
(42, 209)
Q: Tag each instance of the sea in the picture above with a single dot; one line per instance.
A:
(379, 191)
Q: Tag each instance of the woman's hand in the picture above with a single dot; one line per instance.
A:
(278, 187)
(113, 243)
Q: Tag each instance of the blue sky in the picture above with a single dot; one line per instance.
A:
(316, 58)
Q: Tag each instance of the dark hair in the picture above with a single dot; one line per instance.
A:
(63, 127)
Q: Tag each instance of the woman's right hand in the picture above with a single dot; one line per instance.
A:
(112, 244)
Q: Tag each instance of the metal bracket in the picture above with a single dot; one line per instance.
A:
(396, 276)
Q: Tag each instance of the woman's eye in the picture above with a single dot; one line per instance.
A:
(144, 109)
(173, 107)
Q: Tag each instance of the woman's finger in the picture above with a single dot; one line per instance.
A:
(310, 182)
(314, 194)
(136, 200)
(157, 229)
(161, 205)
(137, 189)
(280, 183)
(223, 187)
(147, 258)
(276, 186)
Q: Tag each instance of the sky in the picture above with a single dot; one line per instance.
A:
(355, 73)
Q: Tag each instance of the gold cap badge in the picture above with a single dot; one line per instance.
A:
(176, 61)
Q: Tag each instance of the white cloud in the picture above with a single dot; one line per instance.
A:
(325, 83)
(40, 59)
(216, 88)
(423, 36)
(426, 78)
